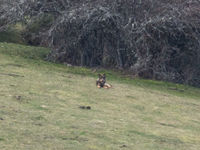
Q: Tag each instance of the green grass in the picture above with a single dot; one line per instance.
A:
(39, 108)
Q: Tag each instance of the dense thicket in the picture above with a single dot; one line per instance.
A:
(154, 39)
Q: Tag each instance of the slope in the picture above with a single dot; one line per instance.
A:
(40, 108)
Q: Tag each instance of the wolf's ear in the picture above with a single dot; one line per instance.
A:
(99, 75)
(104, 75)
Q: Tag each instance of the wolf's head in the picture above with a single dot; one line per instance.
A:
(101, 80)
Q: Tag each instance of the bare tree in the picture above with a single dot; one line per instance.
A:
(154, 39)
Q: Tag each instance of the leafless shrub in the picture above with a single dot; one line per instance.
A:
(155, 39)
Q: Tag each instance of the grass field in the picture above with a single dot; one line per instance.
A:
(40, 108)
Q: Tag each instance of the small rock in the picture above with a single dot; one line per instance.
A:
(68, 65)
(43, 106)
(85, 107)
(123, 146)
(82, 107)
(18, 97)
(88, 107)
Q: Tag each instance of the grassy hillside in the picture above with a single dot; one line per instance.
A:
(40, 108)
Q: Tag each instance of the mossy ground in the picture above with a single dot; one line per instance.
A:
(39, 108)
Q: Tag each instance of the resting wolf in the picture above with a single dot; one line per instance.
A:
(101, 82)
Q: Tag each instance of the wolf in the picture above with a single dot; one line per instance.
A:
(101, 82)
